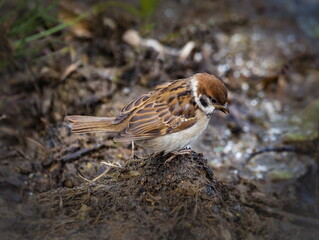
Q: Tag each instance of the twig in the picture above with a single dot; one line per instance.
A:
(84, 178)
(272, 149)
(101, 175)
(117, 165)
(81, 152)
(107, 170)
(294, 218)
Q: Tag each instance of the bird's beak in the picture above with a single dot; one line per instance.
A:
(221, 108)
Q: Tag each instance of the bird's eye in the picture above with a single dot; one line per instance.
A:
(213, 100)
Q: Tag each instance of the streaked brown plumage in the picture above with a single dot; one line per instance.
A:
(168, 118)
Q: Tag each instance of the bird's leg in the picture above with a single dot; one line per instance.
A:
(132, 154)
(184, 151)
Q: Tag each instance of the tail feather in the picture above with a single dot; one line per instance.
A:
(89, 124)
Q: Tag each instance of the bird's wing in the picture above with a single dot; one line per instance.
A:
(162, 114)
(137, 103)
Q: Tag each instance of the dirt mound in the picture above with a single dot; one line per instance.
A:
(153, 199)
(148, 198)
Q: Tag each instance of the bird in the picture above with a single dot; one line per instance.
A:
(168, 119)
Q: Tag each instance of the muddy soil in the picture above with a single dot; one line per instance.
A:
(252, 175)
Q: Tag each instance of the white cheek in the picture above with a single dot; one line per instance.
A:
(209, 110)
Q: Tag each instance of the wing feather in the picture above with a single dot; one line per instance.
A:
(139, 102)
(160, 114)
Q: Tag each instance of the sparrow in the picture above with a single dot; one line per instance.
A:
(169, 118)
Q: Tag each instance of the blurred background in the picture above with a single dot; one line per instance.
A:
(92, 57)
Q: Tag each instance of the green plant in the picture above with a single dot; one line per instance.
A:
(31, 24)
(145, 10)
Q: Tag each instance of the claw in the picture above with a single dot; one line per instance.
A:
(184, 151)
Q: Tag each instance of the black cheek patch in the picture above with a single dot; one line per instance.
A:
(203, 101)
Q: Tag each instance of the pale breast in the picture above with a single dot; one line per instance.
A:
(178, 140)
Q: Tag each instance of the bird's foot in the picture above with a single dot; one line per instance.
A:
(185, 151)
(188, 147)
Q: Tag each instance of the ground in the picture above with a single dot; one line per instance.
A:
(252, 175)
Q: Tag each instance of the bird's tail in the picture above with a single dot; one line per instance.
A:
(89, 124)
